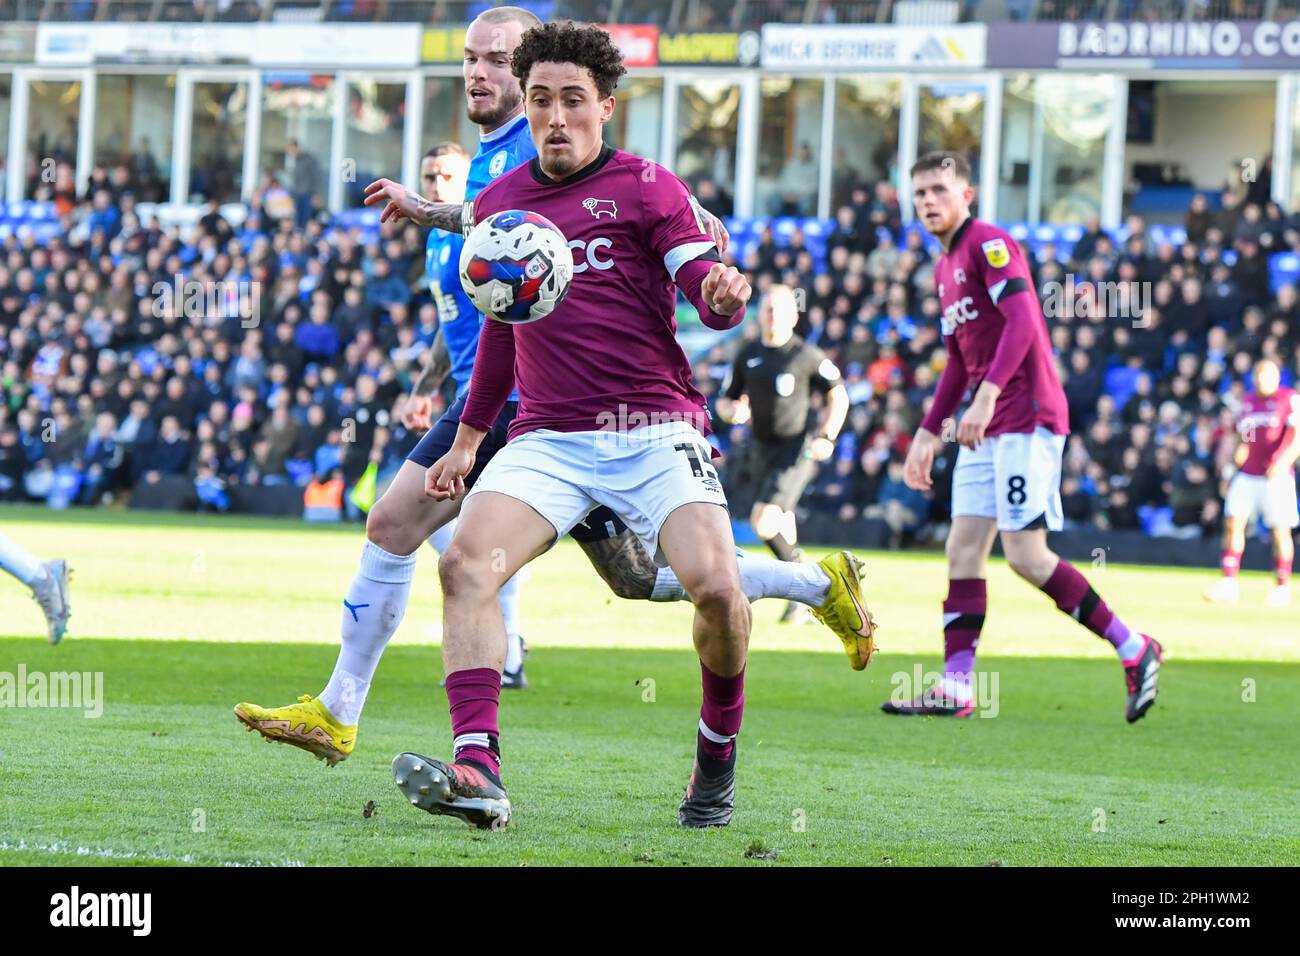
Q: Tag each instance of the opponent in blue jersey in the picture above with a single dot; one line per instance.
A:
(444, 180)
(405, 517)
(443, 175)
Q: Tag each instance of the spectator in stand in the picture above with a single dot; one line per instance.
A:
(170, 455)
(308, 182)
(317, 340)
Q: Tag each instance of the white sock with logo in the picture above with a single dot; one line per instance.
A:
(760, 577)
(374, 607)
(23, 565)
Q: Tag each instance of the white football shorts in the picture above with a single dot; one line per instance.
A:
(642, 475)
(1254, 495)
(1013, 477)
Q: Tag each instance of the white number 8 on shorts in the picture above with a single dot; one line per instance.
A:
(1014, 477)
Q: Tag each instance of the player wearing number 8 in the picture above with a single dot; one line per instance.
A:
(1008, 473)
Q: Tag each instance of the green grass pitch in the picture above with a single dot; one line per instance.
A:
(186, 616)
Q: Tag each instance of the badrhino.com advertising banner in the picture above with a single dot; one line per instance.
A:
(1212, 44)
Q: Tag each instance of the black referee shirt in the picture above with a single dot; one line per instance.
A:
(779, 382)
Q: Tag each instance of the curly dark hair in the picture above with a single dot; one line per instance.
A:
(587, 46)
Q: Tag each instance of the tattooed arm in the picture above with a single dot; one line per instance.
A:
(436, 370)
(625, 565)
(712, 225)
(401, 202)
(418, 410)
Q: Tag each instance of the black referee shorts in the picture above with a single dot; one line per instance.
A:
(779, 471)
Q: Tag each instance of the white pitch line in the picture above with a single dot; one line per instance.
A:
(108, 853)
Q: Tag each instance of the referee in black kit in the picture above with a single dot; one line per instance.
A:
(769, 388)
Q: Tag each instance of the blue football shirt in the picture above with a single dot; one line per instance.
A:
(498, 152)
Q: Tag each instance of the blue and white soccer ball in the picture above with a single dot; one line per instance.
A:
(516, 266)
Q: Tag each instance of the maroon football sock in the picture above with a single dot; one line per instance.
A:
(474, 696)
(1075, 597)
(721, 712)
(1282, 568)
(1230, 562)
(963, 617)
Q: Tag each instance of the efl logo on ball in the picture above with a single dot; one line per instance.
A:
(516, 266)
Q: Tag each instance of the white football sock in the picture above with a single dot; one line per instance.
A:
(764, 577)
(442, 537)
(375, 605)
(24, 566)
(1130, 647)
(667, 587)
(956, 686)
(760, 577)
(509, 598)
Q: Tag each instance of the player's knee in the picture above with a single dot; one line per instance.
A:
(1032, 564)
(963, 557)
(384, 528)
(720, 599)
(462, 576)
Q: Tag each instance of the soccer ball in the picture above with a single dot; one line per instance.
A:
(516, 266)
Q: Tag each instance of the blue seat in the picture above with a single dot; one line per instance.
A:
(815, 227)
(782, 228)
(1283, 269)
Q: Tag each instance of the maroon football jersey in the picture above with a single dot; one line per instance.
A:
(1266, 425)
(609, 351)
(982, 278)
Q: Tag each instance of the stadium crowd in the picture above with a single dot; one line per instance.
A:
(285, 356)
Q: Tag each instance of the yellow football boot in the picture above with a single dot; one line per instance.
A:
(844, 611)
(306, 724)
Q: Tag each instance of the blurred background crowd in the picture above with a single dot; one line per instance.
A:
(283, 354)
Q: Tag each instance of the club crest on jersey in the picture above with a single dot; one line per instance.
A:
(996, 252)
(959, 275)
(600, 207)
(498, 163)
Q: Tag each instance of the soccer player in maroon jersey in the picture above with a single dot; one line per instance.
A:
(1263, 484)
(608, 415)
(1008, 473)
